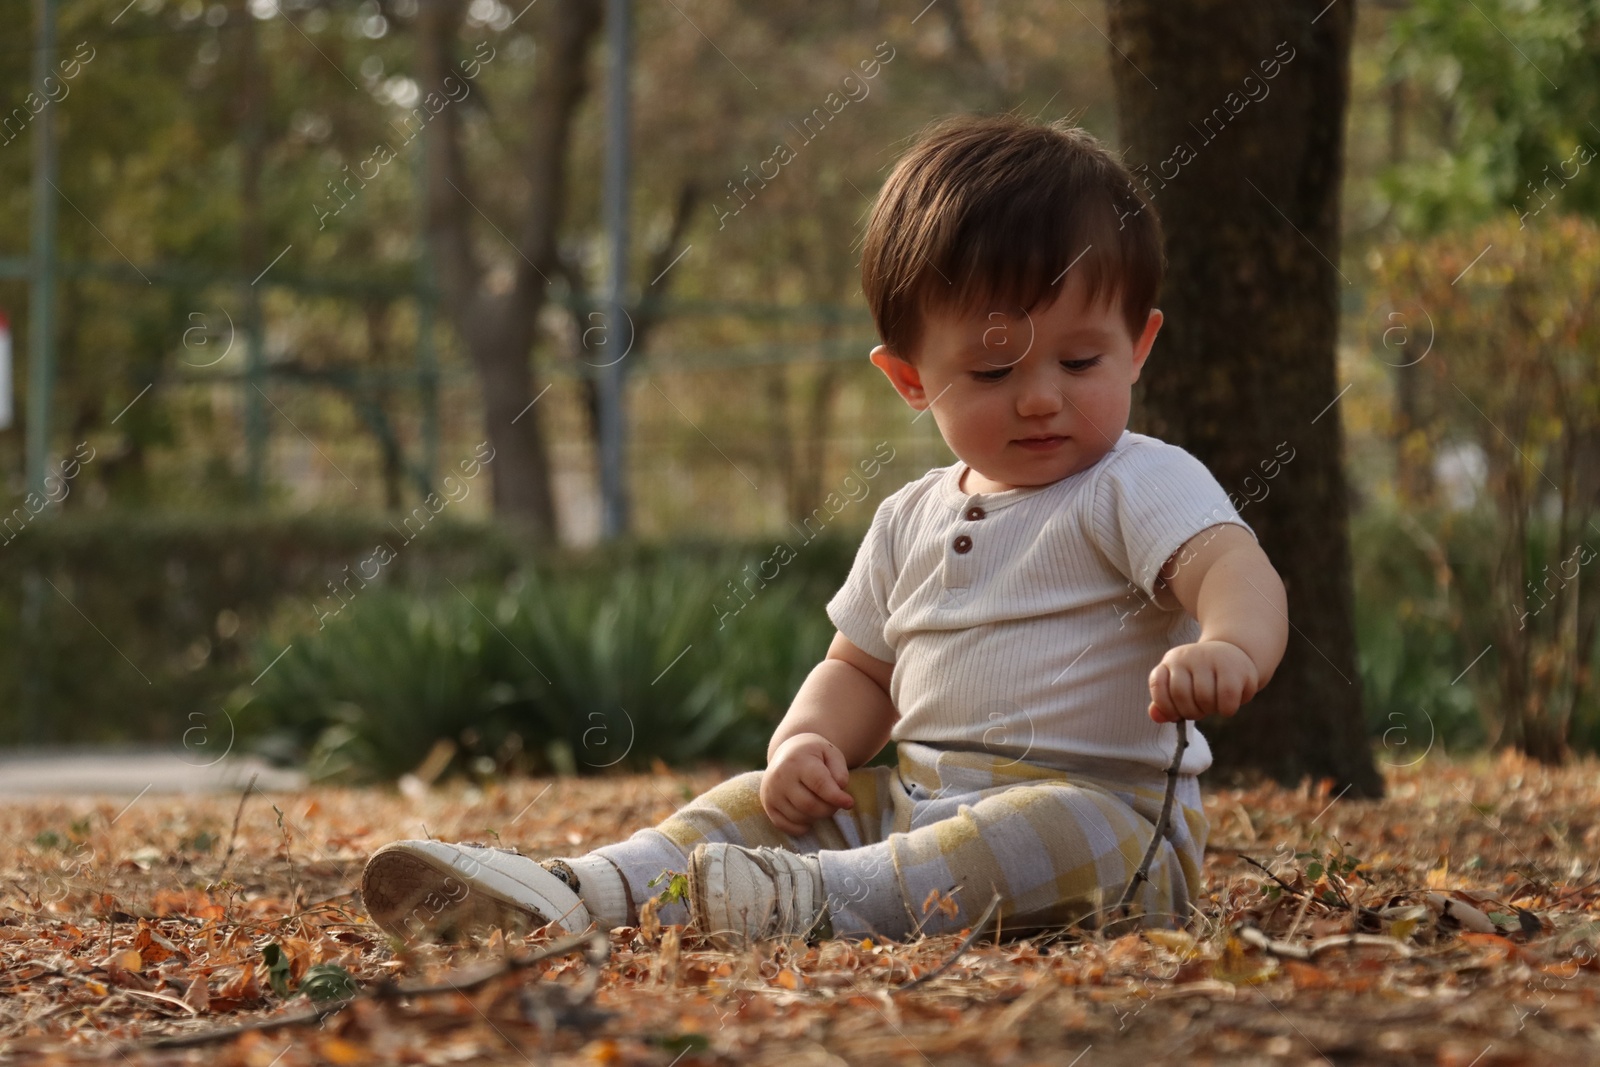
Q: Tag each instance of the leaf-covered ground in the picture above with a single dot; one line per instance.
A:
(1472, 887)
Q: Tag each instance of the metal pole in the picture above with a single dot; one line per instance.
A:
(252, 247)
(41, 368)
(427, 358)
(619, 330)
(41, 308)
(255, 412)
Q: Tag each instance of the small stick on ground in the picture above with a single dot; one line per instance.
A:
(1365, 913)
(977, 929)
(1287, 888)
(1254, 937)
(1142, 875)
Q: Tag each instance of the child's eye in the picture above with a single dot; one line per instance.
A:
(1070, 364)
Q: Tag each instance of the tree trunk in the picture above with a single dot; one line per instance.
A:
(499, 328)
(380, 397)
(1245, 172)
(808, 494)
(781, 430)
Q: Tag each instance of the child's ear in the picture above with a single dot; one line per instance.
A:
(1146, 340)
(902, 375)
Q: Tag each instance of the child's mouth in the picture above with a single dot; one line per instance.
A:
(1040, 444)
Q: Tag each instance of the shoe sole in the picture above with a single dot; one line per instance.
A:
(412, 894)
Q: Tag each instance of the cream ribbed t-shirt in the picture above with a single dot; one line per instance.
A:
(1022, 622)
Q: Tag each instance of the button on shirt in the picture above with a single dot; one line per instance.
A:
(1024, 623)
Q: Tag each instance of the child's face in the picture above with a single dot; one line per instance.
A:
(1026, 399)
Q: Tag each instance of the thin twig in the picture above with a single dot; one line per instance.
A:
(1287, 888)
(977, 929)
(1142, 875)
(1360, 910)
(1574, 891)
(233, 835)
(471, 978)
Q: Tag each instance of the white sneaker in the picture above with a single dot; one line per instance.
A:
(739, 894)
(417, 889)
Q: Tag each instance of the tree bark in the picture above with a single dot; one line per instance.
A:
(1245, 171)
(499, 328)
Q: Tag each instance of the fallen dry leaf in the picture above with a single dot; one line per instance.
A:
(124, 934)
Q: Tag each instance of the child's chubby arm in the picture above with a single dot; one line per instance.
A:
(1224, 579)
(840, 718)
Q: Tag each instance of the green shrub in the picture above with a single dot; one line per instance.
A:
(125, 626)
(1424, 603)
(613, 659)
(1409, 638)
(120, 627)
(153, 620)
(579, 670)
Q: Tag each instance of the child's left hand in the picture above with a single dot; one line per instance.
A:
(1200, 679)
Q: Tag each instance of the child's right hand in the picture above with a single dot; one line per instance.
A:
(804, 782)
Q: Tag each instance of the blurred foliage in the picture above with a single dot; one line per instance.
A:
(1513, 88)
(1480, 390)
(1511, 371)
(141, 623)
(557, 672)
(1409, 632)
(155, 130)
(133, 622)
(1429, 673)
(535, 676)
(118, 627)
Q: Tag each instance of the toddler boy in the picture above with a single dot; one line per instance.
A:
(1027, 624)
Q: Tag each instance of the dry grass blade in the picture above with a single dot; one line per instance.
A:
(233, 835)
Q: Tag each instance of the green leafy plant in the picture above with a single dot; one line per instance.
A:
(322, 981)
(328, 981)
(278, 972)
(677, 887)
(578, 672)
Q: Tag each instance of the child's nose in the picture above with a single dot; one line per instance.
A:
(1039, 397)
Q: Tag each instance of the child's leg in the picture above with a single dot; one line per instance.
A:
(1058, 848)
(731, 812)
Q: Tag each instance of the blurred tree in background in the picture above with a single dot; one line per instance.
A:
(215, 136)
(1514, 370)
(1481, 314)
(1505, 93)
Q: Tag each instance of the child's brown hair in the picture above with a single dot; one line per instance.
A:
(989, 212)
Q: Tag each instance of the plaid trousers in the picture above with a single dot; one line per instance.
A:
(1058, 842)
